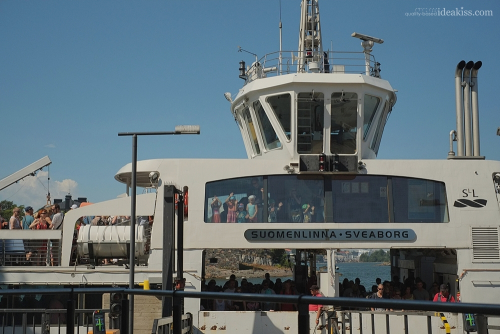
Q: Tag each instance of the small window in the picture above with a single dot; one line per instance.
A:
(271, 140)
(370, 107)
(282, 107)
(252, 135)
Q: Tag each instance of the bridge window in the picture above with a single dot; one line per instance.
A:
(252, 135)
(370, 107)
(419, 201)
(375, 144)
(234, 201)
(360, 199)
(271, 140)
(326, 198)
(282, 107)
(297, 200)
(344, 123)
(310, 120)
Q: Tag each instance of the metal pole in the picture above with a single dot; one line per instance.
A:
(168, 246)
(303, 318)
(179, 301)
(132, 234)
(70, 311)
(180, 242)
(482, 324)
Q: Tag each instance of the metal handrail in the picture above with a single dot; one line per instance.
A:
(300, 300)
(490, 309)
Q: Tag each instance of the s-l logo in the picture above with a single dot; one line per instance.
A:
(472, 203)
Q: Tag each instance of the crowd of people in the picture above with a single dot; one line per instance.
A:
(411, 289)
(37, 252)
(268, 287)
(46, 252)
(247, 205)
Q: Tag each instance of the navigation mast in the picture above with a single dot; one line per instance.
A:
(310, 43)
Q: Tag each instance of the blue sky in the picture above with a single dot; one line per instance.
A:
(73, 74)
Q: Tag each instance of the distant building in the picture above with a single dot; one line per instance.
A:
(68, 202)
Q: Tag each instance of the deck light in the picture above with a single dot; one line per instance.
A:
(187, 129)
(322, 159)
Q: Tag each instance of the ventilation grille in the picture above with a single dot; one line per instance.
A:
(485, 244)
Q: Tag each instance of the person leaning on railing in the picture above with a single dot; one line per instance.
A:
(43, 222)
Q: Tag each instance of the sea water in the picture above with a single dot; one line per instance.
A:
(367, 272)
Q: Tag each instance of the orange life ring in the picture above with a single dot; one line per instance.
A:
(186, 203)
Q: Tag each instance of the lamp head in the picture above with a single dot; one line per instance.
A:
(154, 178)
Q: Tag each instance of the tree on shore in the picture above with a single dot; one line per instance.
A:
(279, 256)
(377, 256)
(7, 207)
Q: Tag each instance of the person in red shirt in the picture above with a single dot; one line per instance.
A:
(443, 295)
(316, 308)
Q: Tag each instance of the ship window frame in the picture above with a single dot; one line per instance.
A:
(254, 142)
(367, 125)
(263, 132)
(316, 100)
(288, 135)
(339, 128)
(382, 121)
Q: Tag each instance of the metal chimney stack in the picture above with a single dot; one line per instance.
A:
(475, 107)
(467, 133)
(467, 112)
(460, 113)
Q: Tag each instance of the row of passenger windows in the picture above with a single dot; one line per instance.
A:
(329, 198)
(310, 122)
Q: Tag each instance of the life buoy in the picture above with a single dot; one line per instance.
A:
(186, 203)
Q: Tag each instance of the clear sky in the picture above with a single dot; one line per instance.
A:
(73, 74)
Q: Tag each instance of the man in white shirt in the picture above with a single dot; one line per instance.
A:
(57, 223)
(58, 217)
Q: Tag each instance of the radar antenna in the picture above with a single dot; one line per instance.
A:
(310, 43)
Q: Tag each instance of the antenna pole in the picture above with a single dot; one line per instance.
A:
(280, 60)
(48, 186)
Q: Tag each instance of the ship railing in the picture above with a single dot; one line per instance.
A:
(344, 321)
(32, 247)
(287, 62)
(26, 320)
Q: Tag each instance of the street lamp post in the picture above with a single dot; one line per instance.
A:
(179, 130)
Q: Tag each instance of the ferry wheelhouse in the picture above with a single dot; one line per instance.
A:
(312, 122)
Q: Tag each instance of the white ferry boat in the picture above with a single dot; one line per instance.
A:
(312, 122)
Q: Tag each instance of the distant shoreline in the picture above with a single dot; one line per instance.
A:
(213, 272)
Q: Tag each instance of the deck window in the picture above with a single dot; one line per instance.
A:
(360, 199)
(326, 198)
